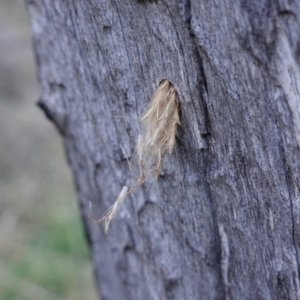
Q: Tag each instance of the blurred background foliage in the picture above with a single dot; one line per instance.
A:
(43, 252)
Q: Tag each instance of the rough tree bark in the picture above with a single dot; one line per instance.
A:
(222, 221)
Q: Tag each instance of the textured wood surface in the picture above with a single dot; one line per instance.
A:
(222, 221)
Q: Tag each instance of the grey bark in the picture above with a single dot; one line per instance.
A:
(222, 221)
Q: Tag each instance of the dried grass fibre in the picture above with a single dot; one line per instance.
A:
(159, 125)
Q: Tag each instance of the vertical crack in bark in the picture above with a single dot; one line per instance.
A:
(218, 237)
(223, 274)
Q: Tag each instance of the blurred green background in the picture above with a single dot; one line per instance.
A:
(43, 252)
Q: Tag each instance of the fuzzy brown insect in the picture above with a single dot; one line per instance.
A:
(159, 128)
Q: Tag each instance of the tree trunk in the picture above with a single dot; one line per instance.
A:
(222, 220)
